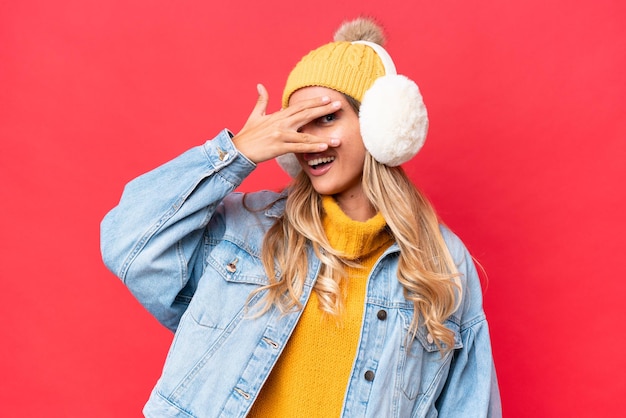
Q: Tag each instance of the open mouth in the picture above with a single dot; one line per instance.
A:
(320, 162)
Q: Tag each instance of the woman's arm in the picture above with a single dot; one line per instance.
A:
(471, 388)
(150, 240)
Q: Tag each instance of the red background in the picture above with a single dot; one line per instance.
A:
(525, 161)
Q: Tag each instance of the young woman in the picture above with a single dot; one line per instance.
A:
(342, 295)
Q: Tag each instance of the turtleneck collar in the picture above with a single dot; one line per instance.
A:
(354, 238)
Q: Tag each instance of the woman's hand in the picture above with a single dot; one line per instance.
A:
(264, 137)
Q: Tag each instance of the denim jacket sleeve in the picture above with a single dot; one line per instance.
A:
(151, 239)
(471, 387)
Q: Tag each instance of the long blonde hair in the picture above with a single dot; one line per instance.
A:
(426, 269)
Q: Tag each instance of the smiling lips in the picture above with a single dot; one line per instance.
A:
(319, 164)
(320, 160)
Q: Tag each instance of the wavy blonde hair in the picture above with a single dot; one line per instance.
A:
(426, 269)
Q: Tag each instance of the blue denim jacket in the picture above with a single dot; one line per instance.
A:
(189, 250)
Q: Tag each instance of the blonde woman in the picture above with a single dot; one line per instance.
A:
(341, 296)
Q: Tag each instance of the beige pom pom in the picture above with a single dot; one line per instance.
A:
(360, 29)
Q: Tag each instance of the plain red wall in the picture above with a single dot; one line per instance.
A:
(525, 161)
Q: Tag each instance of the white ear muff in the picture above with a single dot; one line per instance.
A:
(289, 163)
(393, 120)
(393, 117)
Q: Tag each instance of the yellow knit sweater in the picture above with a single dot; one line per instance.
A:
(311, 376)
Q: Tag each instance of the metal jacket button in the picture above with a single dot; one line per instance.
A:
(369, 375)
(222, 155)
(232, 266)
(382, 314)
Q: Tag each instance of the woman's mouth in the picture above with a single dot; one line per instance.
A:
(317, 163)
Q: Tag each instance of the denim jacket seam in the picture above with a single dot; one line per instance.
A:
(182, 263)
(174, 405)
(155, 227)
(425, 396)
(150, 232)
(225, 334)
(467, 325)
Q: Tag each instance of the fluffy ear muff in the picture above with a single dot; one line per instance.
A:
(289, 163)
(393, 120)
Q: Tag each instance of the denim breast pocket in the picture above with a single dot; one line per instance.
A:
(422, 366)
(231, 274)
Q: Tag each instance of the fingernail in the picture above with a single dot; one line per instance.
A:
(325, 99)
(334, 142)
(336, 104)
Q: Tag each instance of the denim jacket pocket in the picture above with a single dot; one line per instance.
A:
(231, 274)
(422, 366)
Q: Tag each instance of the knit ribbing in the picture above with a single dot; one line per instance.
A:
(311, 375)
(343, 66)
(355, 239)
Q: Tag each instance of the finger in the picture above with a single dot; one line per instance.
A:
(304, 142)
(309, 145)
(262, 101)
(307, 104)
(309, 114)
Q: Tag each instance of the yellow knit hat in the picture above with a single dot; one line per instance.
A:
(350, 68)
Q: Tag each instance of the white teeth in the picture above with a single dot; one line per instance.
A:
(320, 160)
